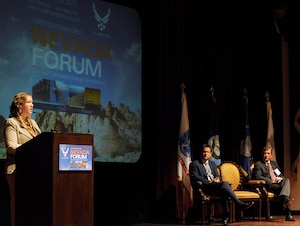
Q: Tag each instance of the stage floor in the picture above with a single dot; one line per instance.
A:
(276, 220)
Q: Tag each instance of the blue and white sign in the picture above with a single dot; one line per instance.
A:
(75, 157)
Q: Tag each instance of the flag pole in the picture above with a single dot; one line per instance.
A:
(267, 96)
(245, 145)
(245, 95)
(213, 94)
(182, 86)
(270, 127)
(184, 156)
(213, 136)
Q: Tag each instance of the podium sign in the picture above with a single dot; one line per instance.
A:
(75, 157)
(48, 196)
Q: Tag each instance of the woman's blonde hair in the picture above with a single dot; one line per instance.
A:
(17, 103)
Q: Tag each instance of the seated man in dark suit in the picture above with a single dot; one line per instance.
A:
(274, 178)
(205, 170)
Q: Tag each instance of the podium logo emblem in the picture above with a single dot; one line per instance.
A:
(65, 151)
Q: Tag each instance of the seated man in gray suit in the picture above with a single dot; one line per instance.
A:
(269, 170)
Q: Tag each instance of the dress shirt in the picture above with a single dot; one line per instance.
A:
(210, 177)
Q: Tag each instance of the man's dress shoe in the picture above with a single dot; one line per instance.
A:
(289, 218)
(225, 221)
(247, 205)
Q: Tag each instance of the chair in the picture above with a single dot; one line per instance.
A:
(231, 173)
(271, 197)
(268, 196)
(204, 202)
(261, 185)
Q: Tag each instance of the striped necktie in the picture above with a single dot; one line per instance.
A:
(271, 171)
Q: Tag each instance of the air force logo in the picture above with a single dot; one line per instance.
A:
(64, 151)
(102, 21)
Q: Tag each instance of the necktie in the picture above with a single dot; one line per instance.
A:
(271, 171)
(208, 171)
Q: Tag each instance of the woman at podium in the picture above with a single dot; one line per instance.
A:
(18, 129)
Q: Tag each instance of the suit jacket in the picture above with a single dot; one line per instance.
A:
(261, 171)
(198, 172)
(15, 134)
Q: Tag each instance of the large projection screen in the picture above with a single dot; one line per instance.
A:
(81, 61)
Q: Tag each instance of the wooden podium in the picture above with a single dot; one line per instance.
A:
(47, 196)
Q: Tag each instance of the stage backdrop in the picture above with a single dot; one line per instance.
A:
(81, 61)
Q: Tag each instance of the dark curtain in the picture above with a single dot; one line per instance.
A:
(225, 44)
(228, 45)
